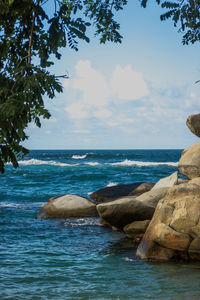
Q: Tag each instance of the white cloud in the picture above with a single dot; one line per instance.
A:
(91, 83)
(127, 84)
(77, 110)
(96, 93)
(81, 131)
(102, 114)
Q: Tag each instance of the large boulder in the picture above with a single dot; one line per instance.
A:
(67, 206)
(167, 182)
(189, 164)
(127, 209)
(193, 123)
(113, 192)
(174, 230)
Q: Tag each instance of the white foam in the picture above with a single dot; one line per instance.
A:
(92, 163)
(127, 162)
(4, 204)
(128, 259)
(43, 162)
(79, 156)
(112, 184)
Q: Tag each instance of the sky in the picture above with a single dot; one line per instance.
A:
(133, 95)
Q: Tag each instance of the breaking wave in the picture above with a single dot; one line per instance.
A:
(112, 184)
(92, 163)
(43, 162)
(79, 156)
(127, 162)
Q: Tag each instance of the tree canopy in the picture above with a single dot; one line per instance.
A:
(30, 35)
(32, 32)
(185, 14)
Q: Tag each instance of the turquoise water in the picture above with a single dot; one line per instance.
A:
(77, 258)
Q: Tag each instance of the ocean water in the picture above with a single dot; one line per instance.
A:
(77, 258)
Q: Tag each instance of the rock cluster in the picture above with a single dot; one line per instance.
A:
(164, 216)
(174, 231)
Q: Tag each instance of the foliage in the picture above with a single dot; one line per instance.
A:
(31, 33)
(185, 14)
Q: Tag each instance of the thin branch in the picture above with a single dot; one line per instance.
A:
(31, 35)
(63, 76)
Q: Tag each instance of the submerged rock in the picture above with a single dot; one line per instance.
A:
(193, 123)
(113, 192)
(67, 206)
(189, 164)
(174, 230)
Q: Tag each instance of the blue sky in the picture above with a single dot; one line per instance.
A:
(134, 95)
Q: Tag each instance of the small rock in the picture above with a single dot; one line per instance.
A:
(136, 229)
(142, 188)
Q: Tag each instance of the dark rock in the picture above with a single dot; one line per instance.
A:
(142, 188)
(114, 192)
(125, 210)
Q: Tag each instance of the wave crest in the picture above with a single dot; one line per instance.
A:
(127, 162)
(92, 163)
(79, 156)
(43, 162)
(112, 184)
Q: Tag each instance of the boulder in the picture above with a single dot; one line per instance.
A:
(153, 196)
(142, 188)
(127, 209)
(67, 206)
(175, 225)
(194, 249)
(193, 123)
(182, 180)
(189, 164)
(167, 181)
(167, 237)
(113, 192)
(136, 229)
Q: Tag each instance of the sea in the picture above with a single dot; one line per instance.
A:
(77, 258)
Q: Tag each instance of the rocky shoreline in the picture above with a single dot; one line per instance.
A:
(164, 217)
